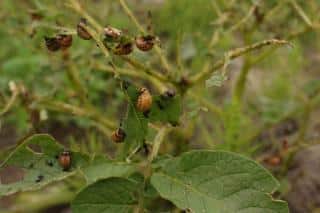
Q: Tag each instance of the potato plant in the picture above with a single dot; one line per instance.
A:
(140, 96)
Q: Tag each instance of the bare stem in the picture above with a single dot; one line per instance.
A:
(78, 111)
(158, 50)
(74, 77)
(74, 4)
(10, 103)
(157, 143)
(143, 68)
(245, 19)
(301, 13)
(234, 54)
(211, 107)
(160, 86)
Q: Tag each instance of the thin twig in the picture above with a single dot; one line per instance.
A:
(158, 50)
(234, 54)
(160, 86)
(75, 110)
(74, 77)
(143, 68)
(211, 107)
(157, 143)
(244, 19)
(10, 103)
(74, 4)
(301, 13)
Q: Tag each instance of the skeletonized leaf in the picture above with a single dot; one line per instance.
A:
(37, 156)
(221, 182)
(108, 195)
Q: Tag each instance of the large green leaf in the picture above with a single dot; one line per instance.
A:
(37, 157)
(102, 168)
(112, 195)
(221, 182)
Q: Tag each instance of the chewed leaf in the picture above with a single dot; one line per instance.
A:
(166, 109)
(217, 182)
(135, 124)
(217, 79)
(103, 168)
(37, 156)
(108, 195)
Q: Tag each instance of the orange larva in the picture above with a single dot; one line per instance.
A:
(123, 49)
(274, 160)
(81, 31)
(65, 160)
(145, 43)
(118, 135)
(65, 41)
(112, 32)
(144, 100)
(52, 43)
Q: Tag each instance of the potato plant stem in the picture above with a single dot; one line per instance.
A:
(234, 54)
(74, 77)
(74, 4)
(78, 111)
(158, 50)
(160, 86)
(10, 102)
(142, 67)
(157, 143)
(211, 107)
(241, 81)
(301, 13)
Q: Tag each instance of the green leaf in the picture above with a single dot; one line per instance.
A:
(40, 167)
(222, 182)
(109, 195)
(102, 168)
(135, 124)
(166, 109)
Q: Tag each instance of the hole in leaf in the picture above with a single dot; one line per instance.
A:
(49, 163)
(11, 174)
(35, 148)
(39, 178)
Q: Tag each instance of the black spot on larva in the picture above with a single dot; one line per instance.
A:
(56, 156)
(31, 166)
